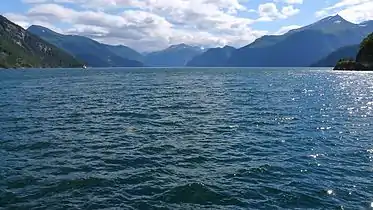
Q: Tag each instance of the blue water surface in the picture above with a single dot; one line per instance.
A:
(186, 139)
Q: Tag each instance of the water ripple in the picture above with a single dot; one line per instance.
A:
(185, 139)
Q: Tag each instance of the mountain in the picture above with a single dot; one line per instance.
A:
(95, 54)
(19, 48)
(294, 50)
(175, 55)
(331, 24)
(125, 52)
(348, 52)
(213, 57)
(326, 25)
(301, 47)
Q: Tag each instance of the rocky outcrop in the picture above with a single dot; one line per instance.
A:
(350, 65)
(365, 54)
(364, 58)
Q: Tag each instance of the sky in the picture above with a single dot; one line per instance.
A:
(148, 25)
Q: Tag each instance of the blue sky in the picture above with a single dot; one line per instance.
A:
(155, 24)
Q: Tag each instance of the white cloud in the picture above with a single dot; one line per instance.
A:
(358, 13)
(289, 11)
(294, 1)
(352, 10)
(346, 3)
(290, 1)
(147, 25)
(321, 13)
(286, 29)
(153, 24)
(26, 22)
(269, 12)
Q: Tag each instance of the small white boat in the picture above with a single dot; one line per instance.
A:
(84, 67)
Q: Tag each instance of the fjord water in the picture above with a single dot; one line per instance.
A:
(186, 139)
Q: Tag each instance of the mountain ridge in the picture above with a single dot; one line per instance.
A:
(300, 47)
(285, 53)
(173, 56)
(347, 52)
(19, 48)
(213, 57)
(307, 46)
(94, 53)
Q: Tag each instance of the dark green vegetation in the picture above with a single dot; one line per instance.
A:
(348, 52)
(176, 55)
(213, 57)
(349, 65)
(19, 48)
(365, 55)
(95, 54)
(364, 58)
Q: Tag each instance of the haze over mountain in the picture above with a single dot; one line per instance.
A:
(95, 54)
(176, 56)
(214, 57)
(348, 52)
(19, 48)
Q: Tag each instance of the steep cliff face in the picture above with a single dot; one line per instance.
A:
(365, 54)
(19, 48)
(350, 65)
(364, 58)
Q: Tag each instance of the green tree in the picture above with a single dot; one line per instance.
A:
(365, 55)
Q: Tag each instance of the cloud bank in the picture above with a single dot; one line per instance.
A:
(148, 25)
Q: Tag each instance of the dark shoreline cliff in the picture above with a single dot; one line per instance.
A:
(364, 58)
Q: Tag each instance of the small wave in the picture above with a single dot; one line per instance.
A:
(69, 185)
(157, 149)
(198, 193)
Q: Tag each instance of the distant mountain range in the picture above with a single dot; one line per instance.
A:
(301, 47)
(294, 50)
(176, 55)
(19, 48)
(320, 44)
(306, 46)
(95, 54)
(102, 55)
(213, 57)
